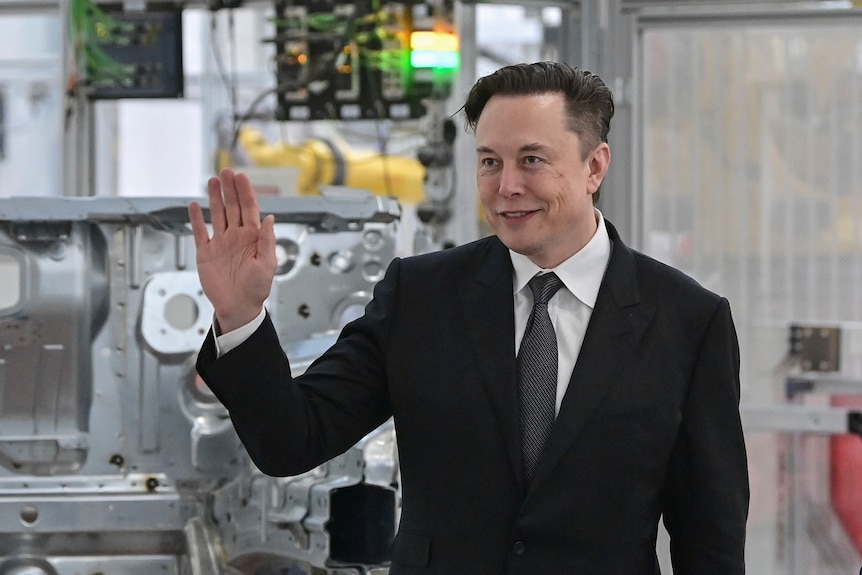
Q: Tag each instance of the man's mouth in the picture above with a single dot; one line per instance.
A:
(516, 214)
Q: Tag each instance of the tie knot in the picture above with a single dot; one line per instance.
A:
(544, 287)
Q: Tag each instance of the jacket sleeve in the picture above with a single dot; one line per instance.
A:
(290, 425)
(706, 496)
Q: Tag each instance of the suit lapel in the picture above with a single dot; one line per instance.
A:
(618, 321)
(617, 324)
(488, 306)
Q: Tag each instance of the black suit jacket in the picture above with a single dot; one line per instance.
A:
(649, 425)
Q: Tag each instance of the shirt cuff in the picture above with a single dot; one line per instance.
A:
(232, 339)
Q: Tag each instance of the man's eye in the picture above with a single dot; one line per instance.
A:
(532, 159)
(488, 162)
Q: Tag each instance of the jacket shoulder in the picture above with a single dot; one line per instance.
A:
(466, 255)
(663, 282)
(654, 278)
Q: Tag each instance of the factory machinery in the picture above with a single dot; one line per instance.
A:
(115, 458)
(382, 64)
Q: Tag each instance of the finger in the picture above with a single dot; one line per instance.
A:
(266, 241)
(216, 206)
(199, 227)
(231, 204)
(249, 210)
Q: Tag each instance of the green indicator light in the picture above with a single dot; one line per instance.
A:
(434, 59)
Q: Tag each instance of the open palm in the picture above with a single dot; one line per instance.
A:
(237, 264)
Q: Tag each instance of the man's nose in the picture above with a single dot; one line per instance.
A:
(511, 183)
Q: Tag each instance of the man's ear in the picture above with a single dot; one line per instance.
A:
(598, 163)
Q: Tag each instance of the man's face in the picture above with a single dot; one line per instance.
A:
(533, 183)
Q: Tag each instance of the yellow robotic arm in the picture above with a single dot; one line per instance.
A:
(321, 162)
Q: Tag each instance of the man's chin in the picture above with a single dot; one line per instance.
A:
(519, 246)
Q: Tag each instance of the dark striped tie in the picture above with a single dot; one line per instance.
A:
(537, 372)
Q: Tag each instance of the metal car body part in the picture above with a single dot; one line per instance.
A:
(114, 456)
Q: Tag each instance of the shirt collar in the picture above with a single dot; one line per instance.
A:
(582, 273)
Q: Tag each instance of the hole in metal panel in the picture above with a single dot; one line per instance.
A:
(29, 514)
(286, 253)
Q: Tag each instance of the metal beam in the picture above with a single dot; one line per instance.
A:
(797, 418)
(29, 6)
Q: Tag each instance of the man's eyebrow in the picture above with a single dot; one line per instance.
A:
(532, 147)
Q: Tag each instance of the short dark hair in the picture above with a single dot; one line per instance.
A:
(589, 102)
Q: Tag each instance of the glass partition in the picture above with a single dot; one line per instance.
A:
(752, 184)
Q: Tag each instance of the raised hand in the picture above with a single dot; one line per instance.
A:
(237, 264)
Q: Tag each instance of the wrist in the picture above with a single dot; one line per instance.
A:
(226, 323)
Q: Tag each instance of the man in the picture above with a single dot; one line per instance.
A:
(642, 414)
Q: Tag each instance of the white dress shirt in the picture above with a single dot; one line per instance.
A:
(571, 307)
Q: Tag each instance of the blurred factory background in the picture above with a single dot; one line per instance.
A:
(737, 157)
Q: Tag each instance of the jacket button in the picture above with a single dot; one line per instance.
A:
(518, 548)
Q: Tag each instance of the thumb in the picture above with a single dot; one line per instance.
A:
(266, 238)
